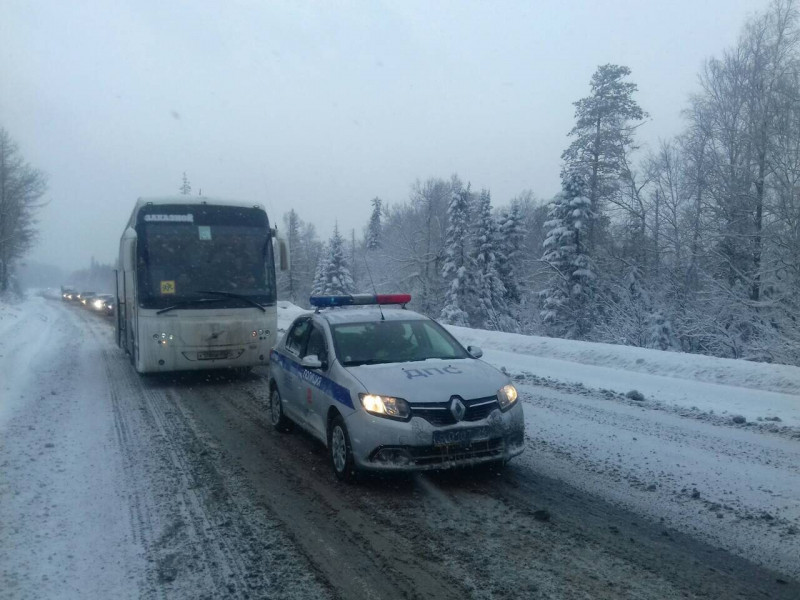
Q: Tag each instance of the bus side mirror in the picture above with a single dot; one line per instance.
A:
(128, 250)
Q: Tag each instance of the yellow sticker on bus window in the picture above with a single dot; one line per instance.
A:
(167, 287)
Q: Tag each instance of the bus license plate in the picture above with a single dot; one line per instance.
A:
(460, 437)
(212, 355)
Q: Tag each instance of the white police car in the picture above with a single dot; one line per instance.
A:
(390, 389)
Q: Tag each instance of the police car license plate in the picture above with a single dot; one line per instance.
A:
(212, 355)
(460, 437)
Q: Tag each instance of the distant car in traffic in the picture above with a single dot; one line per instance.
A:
(391, 389)
(84, 298)
(98, 302)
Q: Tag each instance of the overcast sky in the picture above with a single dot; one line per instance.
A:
(321, 106)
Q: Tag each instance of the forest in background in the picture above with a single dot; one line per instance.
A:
(693, 245)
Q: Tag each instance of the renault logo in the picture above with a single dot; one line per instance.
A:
(457, 408)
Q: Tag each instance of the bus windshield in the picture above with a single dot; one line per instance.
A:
(180, 260)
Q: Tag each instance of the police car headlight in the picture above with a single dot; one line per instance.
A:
(385, 406)
(507, 396)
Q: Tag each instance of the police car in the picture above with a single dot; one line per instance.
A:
(385, 388)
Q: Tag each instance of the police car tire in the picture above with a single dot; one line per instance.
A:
(348, 473)
(282, 423)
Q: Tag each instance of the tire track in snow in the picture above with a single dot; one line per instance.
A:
(201, 542)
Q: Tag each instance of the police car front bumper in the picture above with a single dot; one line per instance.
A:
(382, 444)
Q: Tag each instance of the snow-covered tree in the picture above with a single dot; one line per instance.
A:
(491, 309)
(21, 187)
(603, 134)
(457, 267)
(318, 285)
(186, 187)
(336, 277)
(510, 237)
(373, 240)
(566, 303)
(292, 221)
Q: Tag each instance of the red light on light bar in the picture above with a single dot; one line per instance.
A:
(358, 299)
(393, 298)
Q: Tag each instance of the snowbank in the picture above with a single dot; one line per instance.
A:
(708, 384)
(288, 312)
(740, 373)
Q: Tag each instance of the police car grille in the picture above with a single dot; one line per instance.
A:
(480, 408)
(433, 455)
(438, 413)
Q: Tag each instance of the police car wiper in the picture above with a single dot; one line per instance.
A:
(187, 303)
(237, 296)
(369, 361)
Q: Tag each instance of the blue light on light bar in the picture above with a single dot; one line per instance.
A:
(322, 301)
(359, 299)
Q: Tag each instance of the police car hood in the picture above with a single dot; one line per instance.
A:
(431, 380)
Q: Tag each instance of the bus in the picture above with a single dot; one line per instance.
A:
(196, 285)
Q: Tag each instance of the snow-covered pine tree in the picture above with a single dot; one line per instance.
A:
(566, 303)
(456, 270)
(605, 122)
(373, 240)
(336, 274)
(492, 310)
(186, 187)
(510, 238)
(318, 286)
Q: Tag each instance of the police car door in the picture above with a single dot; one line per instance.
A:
(293, 391)
(314, 383)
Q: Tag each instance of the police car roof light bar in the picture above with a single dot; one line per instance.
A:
(359, 299)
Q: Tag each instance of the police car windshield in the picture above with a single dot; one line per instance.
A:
(377, 342)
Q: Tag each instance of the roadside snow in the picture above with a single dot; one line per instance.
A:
(23, 322)
(64, 519)
(712, 385)
(679, 365)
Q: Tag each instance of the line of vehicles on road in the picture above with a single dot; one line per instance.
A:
(103, 303)
(382, 387)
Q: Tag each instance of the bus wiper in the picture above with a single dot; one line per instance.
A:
(187, 303)
(233, 295)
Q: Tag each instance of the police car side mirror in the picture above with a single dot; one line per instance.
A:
(475, 351)
(311, 361)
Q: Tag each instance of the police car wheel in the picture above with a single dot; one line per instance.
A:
(276, 416)
(341, 453)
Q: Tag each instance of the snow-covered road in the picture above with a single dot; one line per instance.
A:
(113, 485)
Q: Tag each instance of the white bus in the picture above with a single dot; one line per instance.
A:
(196, 285)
